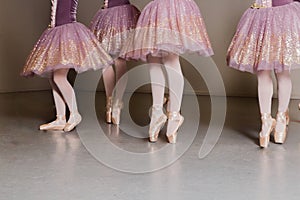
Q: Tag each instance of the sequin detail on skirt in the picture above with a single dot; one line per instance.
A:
(68, 46)
(113, 26)
(174, 26)
(267, 39)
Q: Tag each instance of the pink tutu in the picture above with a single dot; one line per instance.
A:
(267, 39)
(67, 46)
(113, 26)
(174, 26)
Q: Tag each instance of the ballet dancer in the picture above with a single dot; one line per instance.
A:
(65, 45)
(113, 24)
(165, 30)
(268, 39)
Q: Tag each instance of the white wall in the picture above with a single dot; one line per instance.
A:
(22, 23)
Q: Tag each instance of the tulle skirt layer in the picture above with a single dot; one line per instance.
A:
(113, 26)
(67, 46)
(168, 26)
(267, 39)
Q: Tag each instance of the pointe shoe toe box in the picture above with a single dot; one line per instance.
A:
(73, 122)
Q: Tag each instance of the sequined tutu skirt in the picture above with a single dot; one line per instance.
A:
(267, 39)
(168, 26)
(113, 26)
(67, 46)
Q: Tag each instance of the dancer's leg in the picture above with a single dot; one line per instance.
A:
(60, 79)
(121, 83)
(175, 80)
(109, 80)
(121, 78)
(176, 86)
(284, 95)
(60, 107)
(109, 84)
(158, 117)
(284, 90)
(265, 93)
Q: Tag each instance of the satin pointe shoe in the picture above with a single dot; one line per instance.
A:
(108, 109)
(280, 135)
(158, 119)
(174, 116)
(74, 120)
(57, 125)
(116, 112)
(269, 123)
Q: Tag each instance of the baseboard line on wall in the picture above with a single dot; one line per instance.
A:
(186, 92)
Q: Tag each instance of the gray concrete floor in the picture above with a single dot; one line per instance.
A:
(56, 166)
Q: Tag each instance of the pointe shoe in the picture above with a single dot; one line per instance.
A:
(57, 125)
(116, 112)
(264, 138)
(74, 120)
(108, 109)
(280, 136)
(158, 119)
(174, 116)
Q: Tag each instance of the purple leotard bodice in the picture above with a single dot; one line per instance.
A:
(63, 12)
(272, 3)
(113, 3)
(281, 2)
